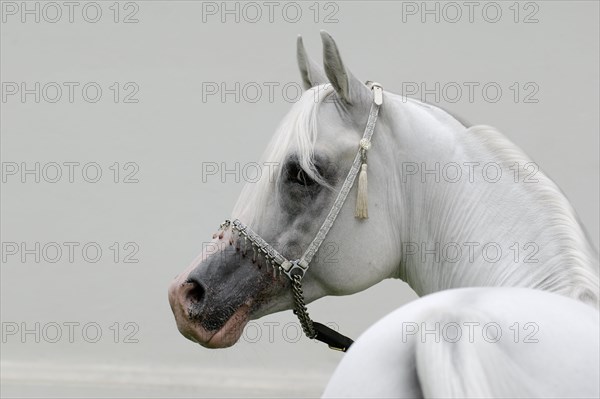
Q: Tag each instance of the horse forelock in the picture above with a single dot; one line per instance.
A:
(296, 135)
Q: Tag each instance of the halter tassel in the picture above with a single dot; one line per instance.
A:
(362, 205)
(362, 210)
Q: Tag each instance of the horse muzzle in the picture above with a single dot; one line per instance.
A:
(214, 298)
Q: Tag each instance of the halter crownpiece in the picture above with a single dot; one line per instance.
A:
(296, 269)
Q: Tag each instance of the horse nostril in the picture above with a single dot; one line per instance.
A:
(196, 293)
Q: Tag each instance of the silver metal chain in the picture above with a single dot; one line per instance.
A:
(300, 309)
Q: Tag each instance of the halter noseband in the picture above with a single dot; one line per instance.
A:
(296, 269)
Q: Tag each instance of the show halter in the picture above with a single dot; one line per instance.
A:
(296, 269)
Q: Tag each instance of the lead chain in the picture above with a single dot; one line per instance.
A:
(300, 308)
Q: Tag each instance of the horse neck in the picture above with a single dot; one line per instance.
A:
(475, 232)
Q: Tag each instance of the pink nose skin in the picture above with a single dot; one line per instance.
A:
(181, 297)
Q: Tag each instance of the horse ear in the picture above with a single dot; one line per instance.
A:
(312, 74)
(350, 89)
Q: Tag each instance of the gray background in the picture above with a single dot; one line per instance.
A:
(171, 132)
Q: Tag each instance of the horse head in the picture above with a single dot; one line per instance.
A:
(313, 151)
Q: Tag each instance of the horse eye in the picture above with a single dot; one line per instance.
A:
(301, 177)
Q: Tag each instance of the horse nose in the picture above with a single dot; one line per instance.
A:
(187, 293)
(195, 292)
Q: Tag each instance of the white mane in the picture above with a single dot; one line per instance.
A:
(577, 274)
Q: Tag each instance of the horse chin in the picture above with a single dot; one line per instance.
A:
(224, 337)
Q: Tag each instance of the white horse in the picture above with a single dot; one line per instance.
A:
(449, 206)
(476, 343)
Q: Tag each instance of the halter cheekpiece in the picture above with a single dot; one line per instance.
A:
(296, 269)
